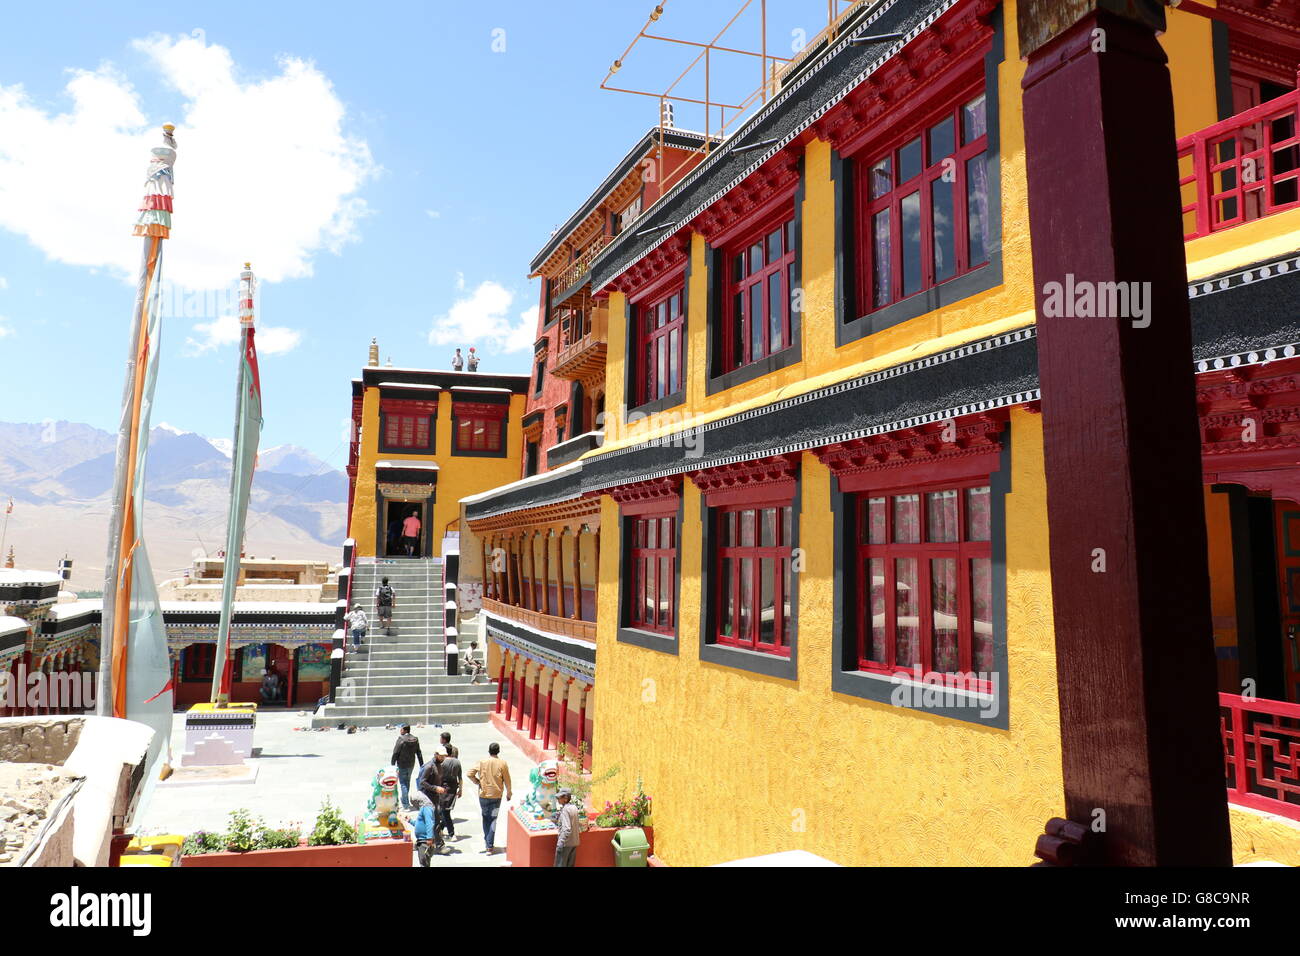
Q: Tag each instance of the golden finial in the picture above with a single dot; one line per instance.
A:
(374, 353)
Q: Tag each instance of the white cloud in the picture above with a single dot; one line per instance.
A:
(265, 170)
(4, 283)
(4, 329)
(433, 214)
(224, 332)
(482, 318)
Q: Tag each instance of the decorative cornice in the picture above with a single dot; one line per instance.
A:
(662, 261)
(931, 443)
(659, 488)
(762, 471)
(779, 176)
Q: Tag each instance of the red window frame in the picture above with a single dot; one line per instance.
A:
(403, 430)
(752, 266)
(661, 325)
(477, 433)
(199, 662)
(878, 648)
(881, 194)
(653, 566)
(737, 561)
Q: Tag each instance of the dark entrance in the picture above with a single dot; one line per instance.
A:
(394, 516)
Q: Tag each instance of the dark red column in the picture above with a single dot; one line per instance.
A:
(521, 684)
(550, 699)
(1135, 657)
(501, 680)
(532, 717)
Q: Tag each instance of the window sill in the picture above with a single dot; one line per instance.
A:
(986, 709)
(652, 640)
(479, 453)
(657, 405)
(937, 297)
(756, 662)
(764, 366)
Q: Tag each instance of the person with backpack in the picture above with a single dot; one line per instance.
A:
(407, 757)
(384, 596)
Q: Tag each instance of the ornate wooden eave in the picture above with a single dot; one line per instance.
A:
(776, 179)
(936, 443)
(948, 47)
(574, 514)
(743, 475)
(664, 261)
(656, 489)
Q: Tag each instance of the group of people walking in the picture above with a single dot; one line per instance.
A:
(439, 783)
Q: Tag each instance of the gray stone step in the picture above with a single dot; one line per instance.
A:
(386, 720)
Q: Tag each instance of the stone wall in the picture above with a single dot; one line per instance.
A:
(48, 740)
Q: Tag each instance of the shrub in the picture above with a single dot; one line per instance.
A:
(331, 829)
(242, 835)
(203, 841)
(281, 839)
(627, 813)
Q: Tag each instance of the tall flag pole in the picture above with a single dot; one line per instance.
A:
(135, 673)
(243, 461)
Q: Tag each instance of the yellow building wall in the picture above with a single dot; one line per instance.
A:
(458, 476)
(1259, 837)
(739, 764)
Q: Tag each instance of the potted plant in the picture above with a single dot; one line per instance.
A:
(333, 841)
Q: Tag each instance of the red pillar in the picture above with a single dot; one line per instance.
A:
(1137, 686)
(293, 675)
(532, 718)
(501, 680)
(564, 714)
(582, 715)
(523, 689)
(550, 700)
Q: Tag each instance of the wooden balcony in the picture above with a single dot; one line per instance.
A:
(550, 623)
(572, 274)
(1242, 168)
(582, 350)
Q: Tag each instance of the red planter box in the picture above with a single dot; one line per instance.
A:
(526, 847)
(372, 853)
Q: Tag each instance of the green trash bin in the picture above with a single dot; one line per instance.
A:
(631, 847)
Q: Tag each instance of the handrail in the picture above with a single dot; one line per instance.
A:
(1261, 756)
(1244, 174)
(577, 269)
(551, 623)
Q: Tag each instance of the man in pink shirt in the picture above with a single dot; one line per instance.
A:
(411, 533)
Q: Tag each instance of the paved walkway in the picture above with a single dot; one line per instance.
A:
(298, 769)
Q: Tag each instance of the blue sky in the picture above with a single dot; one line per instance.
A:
(391, 170)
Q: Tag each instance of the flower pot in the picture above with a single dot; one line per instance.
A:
(371, 853)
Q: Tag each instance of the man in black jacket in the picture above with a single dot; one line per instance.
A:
(431, 785)
(406, 757)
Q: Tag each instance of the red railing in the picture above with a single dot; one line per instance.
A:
(1261, 753)
(1241, 169)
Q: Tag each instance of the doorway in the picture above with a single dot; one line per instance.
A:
(394, 514)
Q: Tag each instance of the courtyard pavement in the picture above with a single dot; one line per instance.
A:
(297, 769)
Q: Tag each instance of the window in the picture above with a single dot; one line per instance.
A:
(653, 566)
(759, 303)
(478, 434)
(924, 206)
(925, 575)
(540, 376)
(753, 581)
(198, 662)
(406, 431)
(662, 342)
(625, 218)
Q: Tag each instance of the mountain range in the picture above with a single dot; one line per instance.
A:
(60, 477)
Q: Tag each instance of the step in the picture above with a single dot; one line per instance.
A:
(375, 721)
(407, 709)
(412, 702)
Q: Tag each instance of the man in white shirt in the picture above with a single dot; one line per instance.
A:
(357, 624)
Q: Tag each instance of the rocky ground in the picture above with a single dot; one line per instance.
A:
(28, 792)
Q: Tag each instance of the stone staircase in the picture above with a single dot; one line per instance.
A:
(403, 678)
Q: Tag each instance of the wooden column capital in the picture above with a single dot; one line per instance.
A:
(1039, 22)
